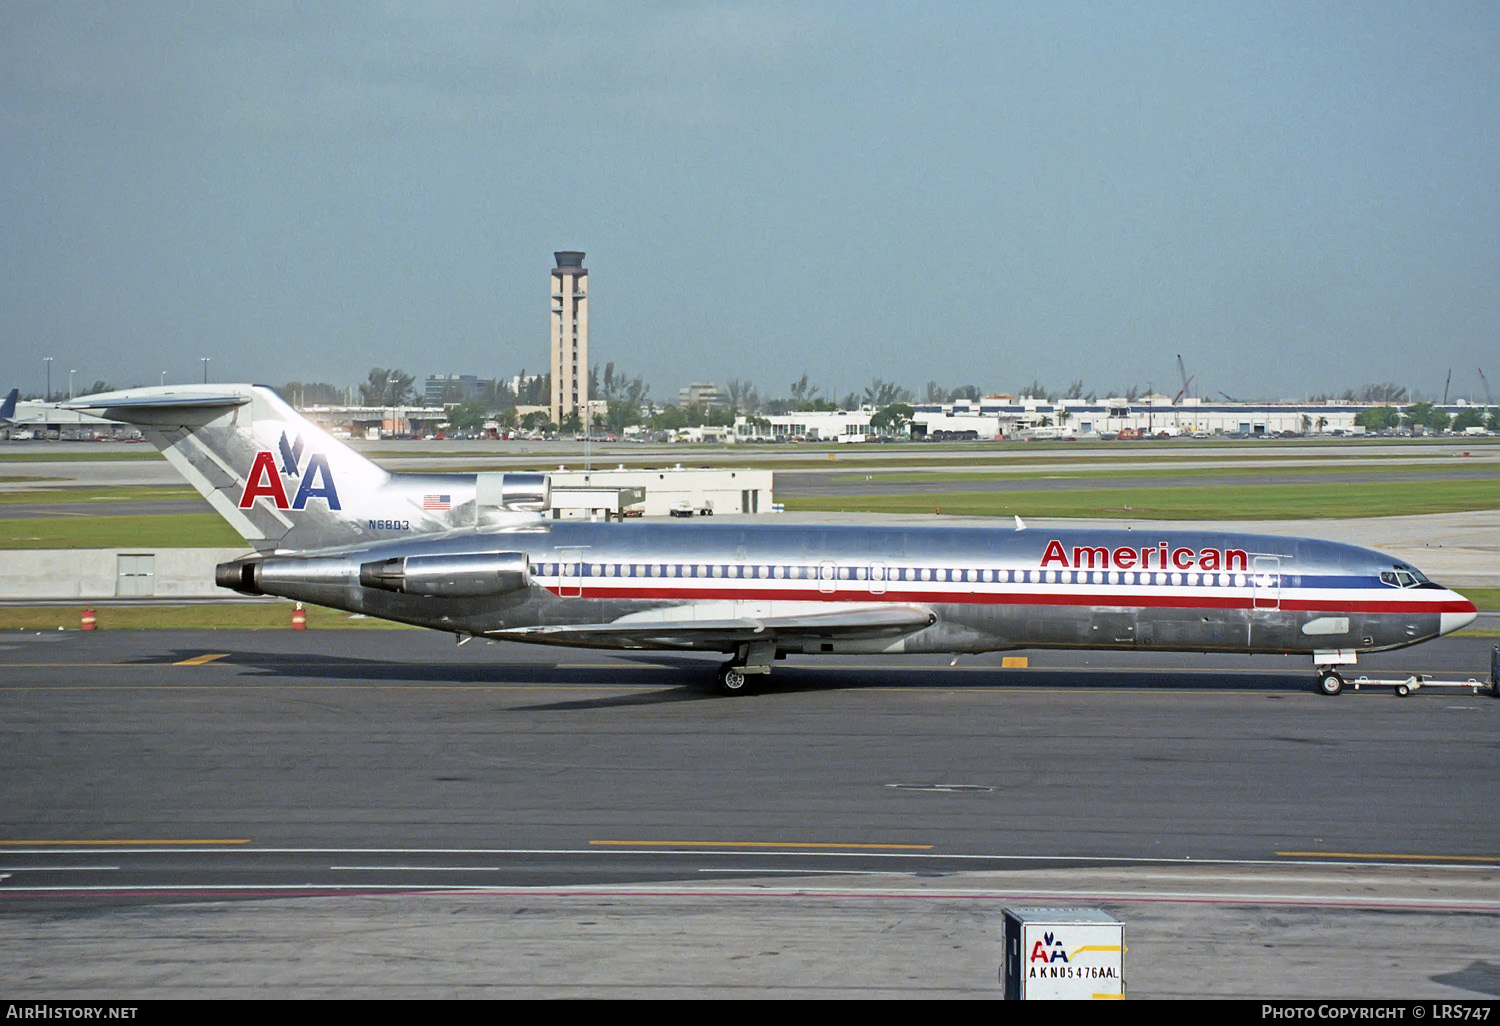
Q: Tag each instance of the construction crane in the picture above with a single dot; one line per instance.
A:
(1488, 399)
(1446, 384)
(1186, 381)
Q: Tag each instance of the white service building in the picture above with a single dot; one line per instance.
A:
(726, 492)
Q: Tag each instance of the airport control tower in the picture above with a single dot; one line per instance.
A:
(570, 337)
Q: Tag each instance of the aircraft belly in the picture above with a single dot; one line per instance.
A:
(1187, 628)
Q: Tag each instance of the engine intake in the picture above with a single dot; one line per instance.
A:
(449, 575)
(531, 493)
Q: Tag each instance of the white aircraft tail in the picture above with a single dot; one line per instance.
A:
(281, 481)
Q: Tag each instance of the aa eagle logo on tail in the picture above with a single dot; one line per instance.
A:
(316, 481)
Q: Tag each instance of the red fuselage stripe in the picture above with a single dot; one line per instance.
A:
(1176, 601)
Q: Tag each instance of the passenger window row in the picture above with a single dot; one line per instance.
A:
(899, 575)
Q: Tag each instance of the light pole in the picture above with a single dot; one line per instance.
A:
(393, 381)
(71, 372)
(205, 360)
(163, 377)
(48, 397)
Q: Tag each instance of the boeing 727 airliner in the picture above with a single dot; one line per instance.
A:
(474, 554)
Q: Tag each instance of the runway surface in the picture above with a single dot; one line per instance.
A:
(383, 813)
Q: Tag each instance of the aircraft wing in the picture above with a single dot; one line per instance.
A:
(677, 627)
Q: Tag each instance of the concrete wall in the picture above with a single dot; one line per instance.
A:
(97, 573)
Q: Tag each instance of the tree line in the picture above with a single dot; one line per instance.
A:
(628, 402)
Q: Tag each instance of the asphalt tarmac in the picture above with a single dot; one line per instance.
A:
(382, 813)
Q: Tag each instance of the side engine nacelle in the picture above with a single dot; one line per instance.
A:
(449, 575)
(286, 575)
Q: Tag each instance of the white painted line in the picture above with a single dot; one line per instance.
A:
(1398, 862)
(840, 893)
(57, 869)
(418, 869)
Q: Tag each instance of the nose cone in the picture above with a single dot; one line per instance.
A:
(1457, 615)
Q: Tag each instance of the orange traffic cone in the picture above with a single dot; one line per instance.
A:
(299, 618)
(88, 619)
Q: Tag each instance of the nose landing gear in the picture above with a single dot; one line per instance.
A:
(1330, 683)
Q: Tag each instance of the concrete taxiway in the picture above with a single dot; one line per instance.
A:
(381, 813)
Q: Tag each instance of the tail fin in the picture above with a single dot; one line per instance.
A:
(8, 408)
(281, 481)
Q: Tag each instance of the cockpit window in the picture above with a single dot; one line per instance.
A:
(1406, 577)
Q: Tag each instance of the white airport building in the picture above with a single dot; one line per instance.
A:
(994, 418)
(660, 491)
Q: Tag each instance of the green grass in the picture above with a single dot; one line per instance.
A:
(38, 455)
(203, 616)
(138, 493)
(164, 531)
(1220, 502)
(1484, 598)
(999, 474)
(978, 464)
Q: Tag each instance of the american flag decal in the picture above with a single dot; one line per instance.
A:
(436, 501)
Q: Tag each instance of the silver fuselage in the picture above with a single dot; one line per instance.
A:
(987, 589)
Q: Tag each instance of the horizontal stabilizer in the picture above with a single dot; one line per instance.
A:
(119, 405)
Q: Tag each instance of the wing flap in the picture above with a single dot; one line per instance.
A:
(683, 631)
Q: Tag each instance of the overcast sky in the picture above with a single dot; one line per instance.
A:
(1297, 198)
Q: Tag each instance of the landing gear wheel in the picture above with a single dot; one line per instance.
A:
(733, 680)
(1330, 683)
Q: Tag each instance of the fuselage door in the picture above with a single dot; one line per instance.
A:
(1265, 577)
(827, 577)
(570, 581)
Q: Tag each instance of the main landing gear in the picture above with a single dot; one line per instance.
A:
(734, 676)
(733, 680)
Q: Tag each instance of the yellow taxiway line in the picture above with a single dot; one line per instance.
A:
(159, 841)
(207, 657)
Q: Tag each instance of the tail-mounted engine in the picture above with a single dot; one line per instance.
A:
(449, 575)
(439, 574)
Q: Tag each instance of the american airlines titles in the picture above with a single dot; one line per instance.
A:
(1162, 556)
